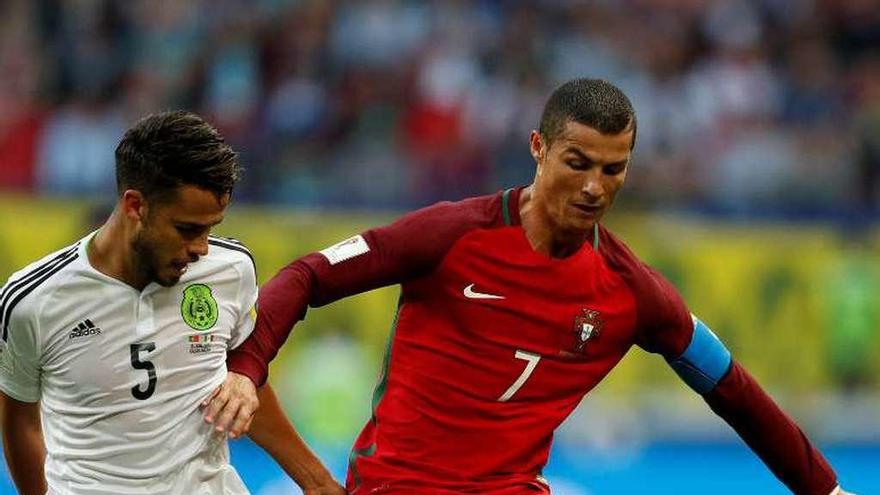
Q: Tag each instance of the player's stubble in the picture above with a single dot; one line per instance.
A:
(147, 259)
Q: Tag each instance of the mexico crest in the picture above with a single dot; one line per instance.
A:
(587, 326)
(199, 308)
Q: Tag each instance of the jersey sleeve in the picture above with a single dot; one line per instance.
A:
(20, 356)
(665, 324)
(771, 434)
(703, 362)
(247, 300)
(406, 249)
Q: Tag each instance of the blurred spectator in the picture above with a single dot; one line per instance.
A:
(20, 119)
(76, 150)
(750, 107)
(867, 122)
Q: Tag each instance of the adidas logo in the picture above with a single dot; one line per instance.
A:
(84, 329)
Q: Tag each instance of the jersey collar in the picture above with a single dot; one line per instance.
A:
(510, 212)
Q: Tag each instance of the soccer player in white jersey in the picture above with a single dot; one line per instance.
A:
(109, 346)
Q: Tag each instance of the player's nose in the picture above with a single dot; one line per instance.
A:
(593, 188)
(198, 248)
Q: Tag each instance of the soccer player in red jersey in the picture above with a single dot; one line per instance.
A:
(512, 307)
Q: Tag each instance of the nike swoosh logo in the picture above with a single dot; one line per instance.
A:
(470, 293)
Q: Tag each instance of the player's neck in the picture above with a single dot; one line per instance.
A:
(111, 253)
(542, 232)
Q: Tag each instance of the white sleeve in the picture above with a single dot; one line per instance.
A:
(247, 313)
(20, 357)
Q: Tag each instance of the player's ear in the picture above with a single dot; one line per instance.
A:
(537, 148)
(134, 205)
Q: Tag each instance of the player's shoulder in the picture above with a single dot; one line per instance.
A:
(30, 283)
(424, 236)
(474, 212)
(618, 254)
(233, 252)
(662, 317)
(649, 285)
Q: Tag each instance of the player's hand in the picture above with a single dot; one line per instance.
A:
(232, 406)
(331, 488)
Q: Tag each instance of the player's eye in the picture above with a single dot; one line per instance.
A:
(188, 230)
(614, 168)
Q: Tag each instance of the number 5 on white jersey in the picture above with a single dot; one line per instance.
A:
(531, 363)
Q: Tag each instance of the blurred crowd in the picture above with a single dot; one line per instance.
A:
(745, 107)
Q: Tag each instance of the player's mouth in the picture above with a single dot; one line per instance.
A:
(179, 267)
(588, 210)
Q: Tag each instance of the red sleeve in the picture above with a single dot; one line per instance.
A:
(663, 322)
(740, 401)
(281, 303)
(771, 434)
(665, 326)
(407, 249)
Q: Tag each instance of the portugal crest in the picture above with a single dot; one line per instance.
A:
(587, 326)
(199, 308)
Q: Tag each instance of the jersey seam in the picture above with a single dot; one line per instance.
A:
(452, 246)
(639, 334)
(239, 296)
(235, 247)
(12, 389)
(50, 292)
(483, 225)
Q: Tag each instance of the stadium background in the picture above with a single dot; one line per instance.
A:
(754, 185)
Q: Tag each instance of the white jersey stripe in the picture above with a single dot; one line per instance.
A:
(219, 242)
(28, 283)
(14, 284)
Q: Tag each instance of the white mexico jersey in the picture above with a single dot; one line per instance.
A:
(120, 373)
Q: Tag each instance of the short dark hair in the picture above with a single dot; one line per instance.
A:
(592, 102)
(170, 149)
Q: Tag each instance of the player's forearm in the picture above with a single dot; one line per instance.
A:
(25, 456)
(774, 437)
(282, 302)
(24, 448)
(272, 431)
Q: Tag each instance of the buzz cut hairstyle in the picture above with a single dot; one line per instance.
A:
(592, 102)
(164, 151)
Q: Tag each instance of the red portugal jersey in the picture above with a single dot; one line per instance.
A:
(494, 345)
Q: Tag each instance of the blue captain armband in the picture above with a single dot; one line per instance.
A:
(704, 362)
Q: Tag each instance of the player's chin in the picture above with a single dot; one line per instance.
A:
(583, 223)
(169, 278)
(168, 281)
(584, 218)
(171, 275)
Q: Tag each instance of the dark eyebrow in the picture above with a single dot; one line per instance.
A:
(579, 153)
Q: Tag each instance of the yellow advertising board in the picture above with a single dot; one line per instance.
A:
(796, 304)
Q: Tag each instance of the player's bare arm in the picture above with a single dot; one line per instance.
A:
(23, 445)
(232, 405)
(272, 431)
